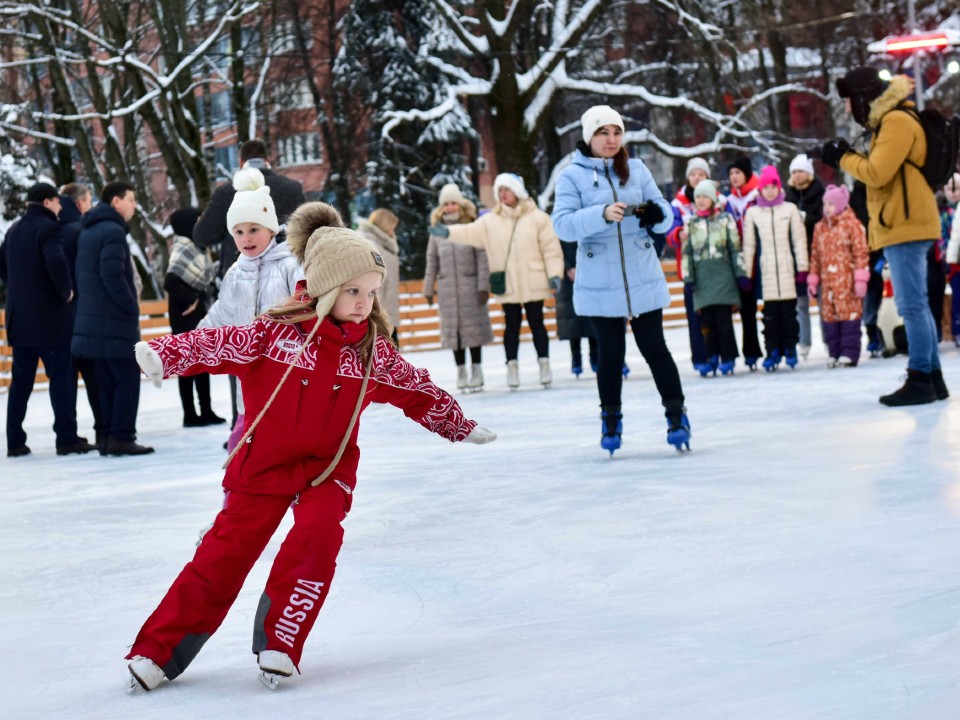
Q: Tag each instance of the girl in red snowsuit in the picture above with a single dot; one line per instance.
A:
(307, 371)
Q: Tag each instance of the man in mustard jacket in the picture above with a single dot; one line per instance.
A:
(903, 213)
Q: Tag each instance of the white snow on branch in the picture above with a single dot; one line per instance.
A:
(474, 44)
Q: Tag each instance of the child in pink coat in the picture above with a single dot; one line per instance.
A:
(839, 265)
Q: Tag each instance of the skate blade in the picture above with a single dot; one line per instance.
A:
(270, 680)
(134, 686)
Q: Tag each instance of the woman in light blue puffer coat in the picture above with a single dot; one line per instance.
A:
(609, 204)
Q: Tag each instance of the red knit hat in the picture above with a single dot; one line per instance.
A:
(768, 176)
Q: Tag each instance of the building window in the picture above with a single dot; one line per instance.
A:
(284, 36)
(293, 96)
(302, 149)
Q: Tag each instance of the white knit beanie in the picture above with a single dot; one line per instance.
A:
(697, 163)
(451, 193)
(252, 203)
(706, 188)
(802, 162)
(598, 116)
(511, 182)
(329, 253)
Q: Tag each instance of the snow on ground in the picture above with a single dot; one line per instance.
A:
(801, 563)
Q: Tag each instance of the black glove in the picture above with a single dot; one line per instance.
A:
(650, 213)
(832, 151)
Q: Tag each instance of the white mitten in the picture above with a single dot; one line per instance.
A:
(480, 436)
(149, 362)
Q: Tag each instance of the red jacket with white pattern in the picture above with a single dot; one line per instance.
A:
(303, 427)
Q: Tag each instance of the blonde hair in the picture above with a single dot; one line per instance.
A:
(468, 213)
(384, 219)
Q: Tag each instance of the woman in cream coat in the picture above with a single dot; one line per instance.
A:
(519, 240)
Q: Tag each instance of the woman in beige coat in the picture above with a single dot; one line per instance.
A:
(520, 243)
(459, 277)
(380, 229)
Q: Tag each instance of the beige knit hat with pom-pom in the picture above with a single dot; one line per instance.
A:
(329, 253)
(252, 203)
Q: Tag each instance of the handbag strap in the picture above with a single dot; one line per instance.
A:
(513, 232)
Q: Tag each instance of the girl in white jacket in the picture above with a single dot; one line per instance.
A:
(264, 274)
(774, 229)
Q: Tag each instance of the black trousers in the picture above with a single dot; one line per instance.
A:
(119, 396)
(748, 320)
(186, 385)
(781, 331)
(716, 324)
(460, 355)
(612, 349)
(512, 315)
(58, 366)
(87, 369)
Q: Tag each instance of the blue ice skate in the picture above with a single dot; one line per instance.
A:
(875, 348)
(625, 371)
(576, 367)
(790, 357)
(708, 367)
(611, 428)
(772, 361)
(726, 367)
(751, 362)
(678, 426)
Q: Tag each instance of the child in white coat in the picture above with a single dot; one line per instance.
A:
(266, 272)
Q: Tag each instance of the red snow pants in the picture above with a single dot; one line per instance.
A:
(197, 602)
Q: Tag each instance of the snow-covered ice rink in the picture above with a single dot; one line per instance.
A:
(802, 563)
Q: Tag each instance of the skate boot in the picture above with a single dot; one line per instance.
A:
(576, 365)
(611, 427)
(625, 371)
(726, 367)
(710, 366)
(804, 351)
(461, 377)
(546, 376)
(678, 426)
(790, 356)
(476, 379)
(513, 374)
(274, 665)
(844, 361)
(751, 362)
(594, 365)
(144, 673)
(772, 360)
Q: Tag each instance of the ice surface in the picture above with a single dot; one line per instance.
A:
(802, 563)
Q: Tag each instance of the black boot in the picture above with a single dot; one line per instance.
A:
(208, 417)
(939, 386)
(126, 447)
(917, 390)
(611, 427)
(191, 419)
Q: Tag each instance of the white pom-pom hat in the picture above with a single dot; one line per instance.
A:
(252, 203)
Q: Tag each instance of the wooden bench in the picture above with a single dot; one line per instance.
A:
(419, 323)
(153, 323)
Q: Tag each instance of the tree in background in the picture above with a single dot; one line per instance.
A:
(384, 63)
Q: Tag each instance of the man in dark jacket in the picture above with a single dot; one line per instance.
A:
(75, 201)
(39, 321)
(211, 228)
(108, 315)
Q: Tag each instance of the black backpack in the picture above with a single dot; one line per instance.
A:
(943, 145)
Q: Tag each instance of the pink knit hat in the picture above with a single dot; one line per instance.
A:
(769, 176)
(838, 196)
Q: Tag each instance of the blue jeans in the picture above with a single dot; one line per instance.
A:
(908, 272)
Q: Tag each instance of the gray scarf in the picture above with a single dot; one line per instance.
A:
(191, 264)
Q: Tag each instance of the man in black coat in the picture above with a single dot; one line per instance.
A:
(108, 315)
(75, 201)
(40, 320)
(211, 229)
